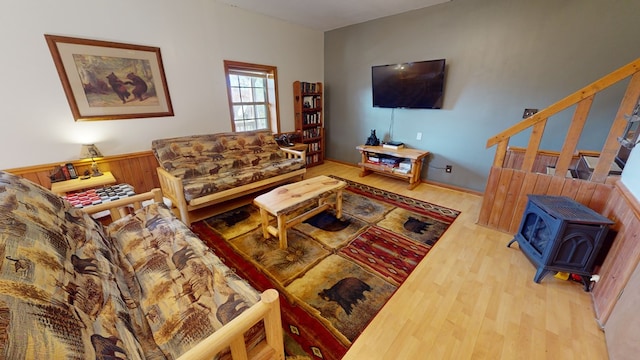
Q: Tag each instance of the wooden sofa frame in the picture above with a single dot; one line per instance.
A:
(230, 335)
(194, 210)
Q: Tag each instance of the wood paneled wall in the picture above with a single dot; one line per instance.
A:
(506, 195)
(624, 254)
(135, 169)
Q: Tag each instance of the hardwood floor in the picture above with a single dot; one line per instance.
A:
(474, 298)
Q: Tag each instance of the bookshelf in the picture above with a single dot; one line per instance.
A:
(307, 107)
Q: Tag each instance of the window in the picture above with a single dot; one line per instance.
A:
(253, 101)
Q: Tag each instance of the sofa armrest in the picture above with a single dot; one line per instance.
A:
(121, 207)
(173, 189)
(297, 152)
(232, 334)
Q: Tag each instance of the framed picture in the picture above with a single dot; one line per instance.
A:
(108, 80)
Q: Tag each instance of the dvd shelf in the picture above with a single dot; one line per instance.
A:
(402, 163)
(307, 105)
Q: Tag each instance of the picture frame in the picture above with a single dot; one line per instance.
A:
(106, 80)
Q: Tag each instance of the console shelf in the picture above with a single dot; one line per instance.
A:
(413, 156)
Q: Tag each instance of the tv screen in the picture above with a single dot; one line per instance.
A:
(414, 85)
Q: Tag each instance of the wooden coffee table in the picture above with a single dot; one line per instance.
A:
(281, 202)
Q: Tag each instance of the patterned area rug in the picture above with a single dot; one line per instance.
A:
(336, 274)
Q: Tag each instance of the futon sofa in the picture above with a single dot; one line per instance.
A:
(202, 170)
(143, 287)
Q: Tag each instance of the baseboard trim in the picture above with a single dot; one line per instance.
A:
(453, 187)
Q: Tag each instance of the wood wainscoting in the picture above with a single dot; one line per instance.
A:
(136, 169)
(623, 256)
(507, 189)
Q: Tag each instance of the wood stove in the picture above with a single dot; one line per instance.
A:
(559, 234)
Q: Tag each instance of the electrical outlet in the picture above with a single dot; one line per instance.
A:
(528, 112)
(419, 136)
(447, 169)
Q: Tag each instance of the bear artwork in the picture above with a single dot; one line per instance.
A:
(346, 293)
(118, 87)
(415, 225)
(140, 87)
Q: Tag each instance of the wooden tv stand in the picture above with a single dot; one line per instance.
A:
(415, 156)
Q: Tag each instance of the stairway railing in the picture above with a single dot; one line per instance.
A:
(583, 98)
(508, 185)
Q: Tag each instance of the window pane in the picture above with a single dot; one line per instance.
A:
(261, 111)
(246, 95)
(235, 94)
(259, 95)
(237, 113)
(233, 80)
(248, 112)
(250, 125)
(245, 81)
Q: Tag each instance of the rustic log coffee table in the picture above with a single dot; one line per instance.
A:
(283, 201)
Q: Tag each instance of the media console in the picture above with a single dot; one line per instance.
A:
(402, 163)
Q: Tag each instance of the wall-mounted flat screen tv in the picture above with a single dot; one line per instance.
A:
(413, 85)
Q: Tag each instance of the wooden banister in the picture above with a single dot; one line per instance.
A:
(583, 98)
(573, 135)
(586, 92)
(534, 145)
(501, 152)
(611, 145)
(516, 174)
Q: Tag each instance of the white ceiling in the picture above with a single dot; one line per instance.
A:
(327, 15)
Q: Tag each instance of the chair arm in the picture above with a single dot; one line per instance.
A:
(173, 189)
(291, 153)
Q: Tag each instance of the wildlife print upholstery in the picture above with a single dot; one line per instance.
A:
(215, 162)
(145, 287)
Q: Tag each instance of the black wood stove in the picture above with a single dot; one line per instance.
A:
(559, 234)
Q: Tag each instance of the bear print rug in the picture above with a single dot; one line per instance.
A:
(336, 274)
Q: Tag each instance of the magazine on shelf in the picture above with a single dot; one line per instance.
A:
(395, 145)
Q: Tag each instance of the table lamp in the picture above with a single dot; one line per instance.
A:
(90, 151)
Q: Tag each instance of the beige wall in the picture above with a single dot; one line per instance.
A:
(194, 36)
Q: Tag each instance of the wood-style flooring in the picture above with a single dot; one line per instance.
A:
(472, 297)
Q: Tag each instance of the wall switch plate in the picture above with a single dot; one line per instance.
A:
(419, 136)
(528, 112)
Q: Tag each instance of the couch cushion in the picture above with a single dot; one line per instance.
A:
(185, 290)
(59, 281)
(196, 187)
(197, 155)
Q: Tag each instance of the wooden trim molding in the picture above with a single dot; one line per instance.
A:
(634, 203)
(48, 167)
(136, 169)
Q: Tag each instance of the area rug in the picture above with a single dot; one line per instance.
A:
(336, 274)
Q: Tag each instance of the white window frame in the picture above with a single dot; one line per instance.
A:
(270, 74)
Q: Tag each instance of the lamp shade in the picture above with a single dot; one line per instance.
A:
(89, 151)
